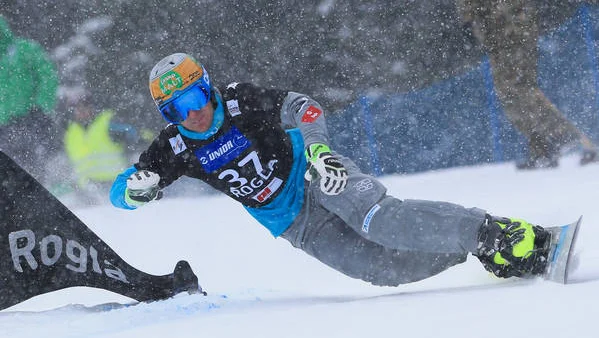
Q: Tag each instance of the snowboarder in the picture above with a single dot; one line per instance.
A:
(269, 150)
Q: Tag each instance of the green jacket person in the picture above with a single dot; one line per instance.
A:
(28, 84)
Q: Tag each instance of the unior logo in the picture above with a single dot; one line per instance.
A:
(220, 151)
(170, 81)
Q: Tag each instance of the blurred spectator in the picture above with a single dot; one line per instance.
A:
(509, 32)
(28, 84)
(97, 147)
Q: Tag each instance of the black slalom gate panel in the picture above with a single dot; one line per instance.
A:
(44, 247)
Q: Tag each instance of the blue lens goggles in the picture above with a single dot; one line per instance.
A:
(177, 108)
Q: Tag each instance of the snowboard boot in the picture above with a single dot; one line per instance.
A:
(512, 247)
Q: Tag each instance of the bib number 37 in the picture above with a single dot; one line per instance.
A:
(241, 186)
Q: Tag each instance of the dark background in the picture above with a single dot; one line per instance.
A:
(332, 50)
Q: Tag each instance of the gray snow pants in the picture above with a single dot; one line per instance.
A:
(367, 234)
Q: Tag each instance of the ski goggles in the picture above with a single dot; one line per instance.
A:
(176, 109)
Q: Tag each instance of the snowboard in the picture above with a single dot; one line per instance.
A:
(560, 260)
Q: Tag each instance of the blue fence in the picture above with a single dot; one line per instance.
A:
(460, 121)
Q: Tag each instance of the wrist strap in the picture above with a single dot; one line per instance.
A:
(131, 202)
(314, 150)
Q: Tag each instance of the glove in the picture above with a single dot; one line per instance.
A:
(142, 187)
(333, 176)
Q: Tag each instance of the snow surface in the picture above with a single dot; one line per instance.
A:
(262, 287)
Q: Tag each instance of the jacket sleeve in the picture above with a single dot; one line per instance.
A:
(117, 191)
(156, 159)
(300, 111)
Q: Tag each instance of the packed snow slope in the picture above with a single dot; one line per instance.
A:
(262, 287)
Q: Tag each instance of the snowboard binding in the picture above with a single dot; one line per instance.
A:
(513, 248)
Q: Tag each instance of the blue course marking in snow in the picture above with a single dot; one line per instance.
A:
(558, 247)
(213, 305)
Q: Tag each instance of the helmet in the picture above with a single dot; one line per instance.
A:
(178, 84)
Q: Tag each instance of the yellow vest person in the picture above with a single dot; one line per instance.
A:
(92, 152)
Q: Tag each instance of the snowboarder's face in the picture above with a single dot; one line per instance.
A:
(199, 120)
